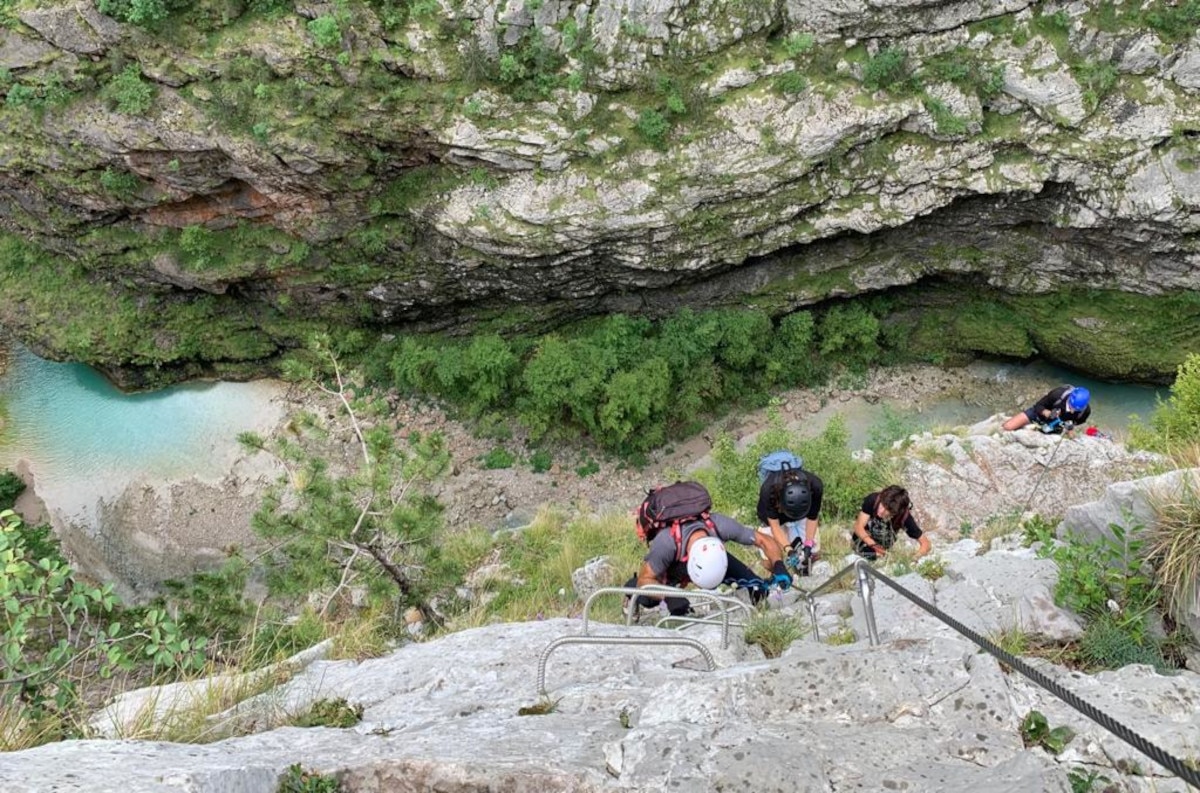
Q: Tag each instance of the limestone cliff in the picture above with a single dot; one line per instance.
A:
(200, 188)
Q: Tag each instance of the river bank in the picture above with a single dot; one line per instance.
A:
(136, 527)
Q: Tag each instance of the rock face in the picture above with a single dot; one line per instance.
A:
(432, 170)
(964, 483)
(923, 711)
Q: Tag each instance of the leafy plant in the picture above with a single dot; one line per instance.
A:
(129, 93)
(932, 568)
(1111, 643)
(57, 629)
(540, 461)
(791, 83)
(797, 44)
(498, 458)
(653, 126)
(887, 69)
(326, 32)
(1085, 780)
(297, 780)
(119, 183)
(1036, 731)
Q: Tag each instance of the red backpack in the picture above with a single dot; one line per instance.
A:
(671, 507)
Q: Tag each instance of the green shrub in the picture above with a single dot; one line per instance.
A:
(943, 117)
(122, 184)
(797, 44)
(653, 126)
(498, 458)
(326, 32)
(129, 93)
(145, 13)
(1176, 422)
(888, 69)
(791, 83)
(541, 461)
(11, 488)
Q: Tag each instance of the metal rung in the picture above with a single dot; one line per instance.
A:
(653, 641)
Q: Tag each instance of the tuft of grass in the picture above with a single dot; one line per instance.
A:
(932, 568)
(1173, 549)
(538, 561)
(845, 635)
(774, 632)
(540, 708)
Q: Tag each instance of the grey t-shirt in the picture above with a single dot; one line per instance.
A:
(663, 551)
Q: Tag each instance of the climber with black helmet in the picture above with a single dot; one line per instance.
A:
(1059, 411)
(883, 516)
(696, 555)
(789, 504)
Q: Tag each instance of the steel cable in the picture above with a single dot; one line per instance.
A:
(1159, 755)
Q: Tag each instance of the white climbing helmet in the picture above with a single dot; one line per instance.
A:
(707, 562)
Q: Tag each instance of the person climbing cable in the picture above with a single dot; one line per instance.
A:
(1059, 411)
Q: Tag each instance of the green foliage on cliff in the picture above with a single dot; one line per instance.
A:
(128, 92)
(1110, 334)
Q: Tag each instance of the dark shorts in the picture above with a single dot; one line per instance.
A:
(1031, 414)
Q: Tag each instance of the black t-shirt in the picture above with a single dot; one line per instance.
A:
(767, 509)
(1056, 401)
(881, 530)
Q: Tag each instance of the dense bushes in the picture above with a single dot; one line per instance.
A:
(630, 383)
(1175, 423)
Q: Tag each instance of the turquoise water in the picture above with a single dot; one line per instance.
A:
(82, 438)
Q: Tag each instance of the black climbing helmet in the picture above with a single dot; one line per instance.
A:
(795, 500)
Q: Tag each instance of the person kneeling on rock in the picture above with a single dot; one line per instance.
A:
(884, 515)
(1059, 411)
(696, 555)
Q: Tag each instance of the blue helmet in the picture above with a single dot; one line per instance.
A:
(1078, 399)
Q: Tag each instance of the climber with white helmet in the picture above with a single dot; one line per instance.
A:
(694, 553)
(1059, 411)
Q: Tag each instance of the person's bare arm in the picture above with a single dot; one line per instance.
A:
(860, 531)
(770, 549)
(646, 576)
(924, 546)
(777, 532)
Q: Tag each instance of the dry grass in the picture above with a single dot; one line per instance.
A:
(1173, 548)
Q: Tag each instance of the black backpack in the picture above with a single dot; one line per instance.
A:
(672, 507)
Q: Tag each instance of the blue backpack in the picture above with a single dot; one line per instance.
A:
(781, 460)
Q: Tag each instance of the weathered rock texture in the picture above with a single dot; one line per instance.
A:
(924, 711)
(365, 173)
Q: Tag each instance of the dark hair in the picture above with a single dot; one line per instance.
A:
(895, 500)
